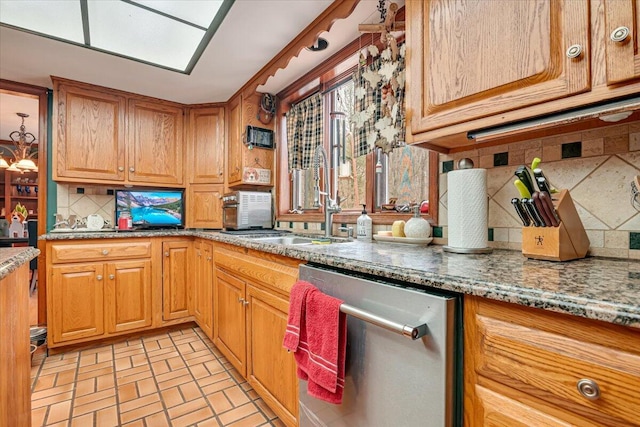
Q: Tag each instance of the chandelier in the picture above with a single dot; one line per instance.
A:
(22, 158)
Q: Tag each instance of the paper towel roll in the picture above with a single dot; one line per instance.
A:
(468, 208)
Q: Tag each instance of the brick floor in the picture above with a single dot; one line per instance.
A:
(176, 378)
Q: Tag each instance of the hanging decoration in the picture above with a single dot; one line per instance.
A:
(379, 116)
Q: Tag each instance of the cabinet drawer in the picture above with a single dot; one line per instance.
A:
(99, 251)
(549, 365)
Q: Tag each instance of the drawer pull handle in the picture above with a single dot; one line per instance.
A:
(105, 252)
(589, 389)
(574, 51)
(99, 277)
(112, 276)
(620, 34)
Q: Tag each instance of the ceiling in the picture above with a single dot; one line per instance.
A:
(252, 33)
(12, 103)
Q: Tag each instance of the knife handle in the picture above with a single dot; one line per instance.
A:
(522, 213)
(531, 208)
(540, 209)
(547, 204)
(522, 189)
(543, 185)
(533, 212)
(523, 175)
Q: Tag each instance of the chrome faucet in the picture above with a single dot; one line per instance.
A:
(331, 206)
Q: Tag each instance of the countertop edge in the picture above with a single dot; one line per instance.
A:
(615, 312)
(12, 258)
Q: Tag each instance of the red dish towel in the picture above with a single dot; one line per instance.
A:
(322, 339)
(297, 303)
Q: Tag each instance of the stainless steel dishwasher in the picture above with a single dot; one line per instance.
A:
(391, 379)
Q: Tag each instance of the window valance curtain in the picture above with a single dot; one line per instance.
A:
(304, 131)
(379, 112)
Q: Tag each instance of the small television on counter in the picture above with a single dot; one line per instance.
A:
(152, 208)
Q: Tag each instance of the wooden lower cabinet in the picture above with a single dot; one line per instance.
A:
(251, 301)
(531, 367)
(76, 302)
(128, 295)
(203, 286)
(176, 283)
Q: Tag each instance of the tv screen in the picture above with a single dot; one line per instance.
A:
(152, 208)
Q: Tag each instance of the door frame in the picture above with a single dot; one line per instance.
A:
(43, 173)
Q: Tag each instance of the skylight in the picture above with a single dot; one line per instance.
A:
(170, 34)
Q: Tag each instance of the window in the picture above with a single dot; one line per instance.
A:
(403, 175)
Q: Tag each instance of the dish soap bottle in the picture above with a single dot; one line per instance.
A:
(417, 227)
(364, 226)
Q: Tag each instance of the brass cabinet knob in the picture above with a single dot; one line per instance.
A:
(166, 254)
(99, 277)
(105, 252)
(589, 389)
(121, 168)
(112, 276)
(208, 258)
(245, 303)
(574, 51)
(620, 34)
(132, 169)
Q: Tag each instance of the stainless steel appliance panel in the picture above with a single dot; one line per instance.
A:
(247, 209)
(391, 380)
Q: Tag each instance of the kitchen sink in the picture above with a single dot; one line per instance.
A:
(285, 240)
(299, 240)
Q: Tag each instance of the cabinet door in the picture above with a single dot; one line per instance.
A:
(471, 59)
(175, 280)
(229, 319)
(89, 141)
(76, 301)
(622, 17)
(204, 287)
(206, 145)
(271, 370)
(128, 295)
(155, 143)
(204, 206)
(234, 150)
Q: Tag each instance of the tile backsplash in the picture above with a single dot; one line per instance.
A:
(596, 166)
(85, 200)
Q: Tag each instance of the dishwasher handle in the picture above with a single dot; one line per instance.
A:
(413, 332)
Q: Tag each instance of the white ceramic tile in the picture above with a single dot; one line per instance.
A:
(499, 217)
(515, 235)
(632, 225)
(500, 234)
(616, 239)
(596, 238)
(84, 206)
(62, 195)
(568, 173)
(605, 188)
(104, 201)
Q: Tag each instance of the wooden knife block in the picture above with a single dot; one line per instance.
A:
(566, 242)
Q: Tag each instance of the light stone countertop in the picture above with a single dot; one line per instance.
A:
(12, 258)
(595, 288)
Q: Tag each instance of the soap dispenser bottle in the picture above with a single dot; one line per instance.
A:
(417, 227)
(364, 226)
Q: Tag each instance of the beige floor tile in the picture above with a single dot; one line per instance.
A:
(171, 375)
(237, 413)
(52, 391)
(94, 366)
(187, 407)
(218, 386)
(176, 363)
(236, 396)
(85, 387)
(212, 379)
(147, 386)
(96, 373)
(141, 412)
(104, 382)
(59, 412)
(93, 406)
(66, 377)
(127, 392)
(163, 354)
(190, 391)
(265, 409)
(135, 377)
(123, 363)
(253, 420)
(193, 417)
(64, 423)
(139, 359)
(160, 367)
(38, 416)
(157, 420)
(136, 423)
(199, 371)
(45, 381)
(107, 417)
(171, 397)
(176, 381)
(219, 402)
(139, 403)
(211, 422)
(51, 400)
(93, 397)
(213, 366)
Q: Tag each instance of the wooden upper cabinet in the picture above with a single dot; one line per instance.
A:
(471, 59)
(204, 206)
(90, 137)
(622, 19)
(206, 145)
(155, 143)
(234, 149)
